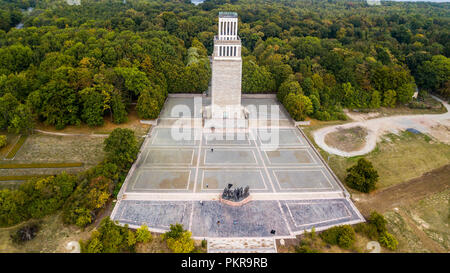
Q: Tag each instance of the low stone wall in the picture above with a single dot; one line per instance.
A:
(235, 204)
(153, 122)
(302, 123)
(259, 96)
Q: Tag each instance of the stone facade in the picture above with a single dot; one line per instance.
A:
(226, 69)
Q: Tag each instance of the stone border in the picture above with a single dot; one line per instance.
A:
(259, 96)
(235, 204)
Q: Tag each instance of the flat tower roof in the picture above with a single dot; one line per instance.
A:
(228, 14)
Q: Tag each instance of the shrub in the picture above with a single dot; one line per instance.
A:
(368, 230)
(143, 235)
(305, 248)
(343, 236)
(109, 238)
(2, 141)
(204, 243)
(378, 221)
(12, 209)
(178, 239)
(25, 233)
(388, 240)
(362, 176)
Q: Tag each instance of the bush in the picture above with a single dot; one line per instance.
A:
(362, 176)
(343, 236)
(204, 243)
(305, 248)
(12, 207)
(378, 221)
(25, 233)
(368, 230)
(109, 238)
(143, 235)
(388, 240)
(2, 141)
(178, 239)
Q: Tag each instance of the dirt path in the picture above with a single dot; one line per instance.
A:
(434, 124)
(67, 134)
(404, 194)
(426, 241)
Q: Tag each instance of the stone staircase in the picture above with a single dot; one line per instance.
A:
(242, 245)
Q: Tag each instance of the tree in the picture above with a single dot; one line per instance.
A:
(375, 101)
(93, 107)
(15, 58)
(362, 176)
(298, 106)
(118, 109)
(60, 104)
(147, 107)
(8, 104)
(389, 98)
(256, 79)
(22, 121)
(433, 75)
(121, 147)
(132, 79)
(288, 87)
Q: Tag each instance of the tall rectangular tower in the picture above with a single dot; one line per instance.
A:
(226, 69)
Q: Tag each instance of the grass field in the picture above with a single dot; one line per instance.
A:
(423, 226)
(397, 158)
(432, 215)
(52, 237)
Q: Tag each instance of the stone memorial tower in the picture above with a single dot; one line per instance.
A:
(226, 69)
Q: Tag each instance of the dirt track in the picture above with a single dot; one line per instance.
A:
(404, 193)
(435, 125)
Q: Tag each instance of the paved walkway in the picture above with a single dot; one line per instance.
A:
(380, 126)
(242, 245)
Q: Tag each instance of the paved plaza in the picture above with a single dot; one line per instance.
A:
(180, 174)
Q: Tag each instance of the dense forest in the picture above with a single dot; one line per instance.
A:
(64, 65)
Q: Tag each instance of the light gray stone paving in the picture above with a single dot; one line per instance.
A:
(290, 185)
(254, 219)
(306, 214)
(155, 214)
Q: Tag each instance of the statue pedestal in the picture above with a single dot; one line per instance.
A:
(235, 204)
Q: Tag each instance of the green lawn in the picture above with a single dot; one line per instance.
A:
(397, 158)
